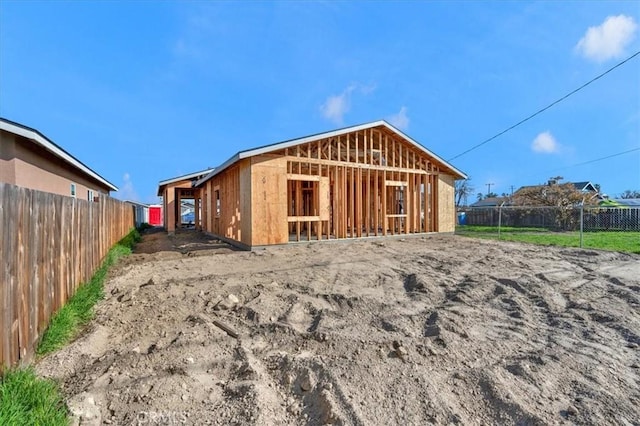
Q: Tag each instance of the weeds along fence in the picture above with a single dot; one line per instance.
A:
(49, 245)
(610, 226)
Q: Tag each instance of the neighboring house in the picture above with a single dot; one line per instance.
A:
(360, 181)
(140, 212)
(187, 212)
(31, 160)
(146, 213)
(173, 191)
(585, 187)
(620, 202)
(491, 202)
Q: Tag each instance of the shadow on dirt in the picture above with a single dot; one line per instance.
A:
(185, 241)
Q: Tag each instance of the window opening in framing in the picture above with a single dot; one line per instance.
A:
(217, 202)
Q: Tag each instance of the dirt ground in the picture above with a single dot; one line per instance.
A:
(435, 329)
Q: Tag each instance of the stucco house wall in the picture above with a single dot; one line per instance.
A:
(26, 163)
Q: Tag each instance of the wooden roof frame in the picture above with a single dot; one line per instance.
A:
(189, 176)
(339, 132)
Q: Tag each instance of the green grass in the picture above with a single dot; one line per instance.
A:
(26, 399)
(494, 229)
(78, 311)
(615, 241)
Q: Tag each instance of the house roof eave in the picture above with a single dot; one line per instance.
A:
(189, 176)
(41, 140)
(338, 132)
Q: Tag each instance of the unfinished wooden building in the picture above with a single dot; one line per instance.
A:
(361, 181)
(173, 191)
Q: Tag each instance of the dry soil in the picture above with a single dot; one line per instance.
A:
(439, 329)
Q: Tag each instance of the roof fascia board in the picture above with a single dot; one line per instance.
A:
(423, 149)
(43, 141)
(307, 139)
(218, 169)
(184, 177)
(293, 142)
(137, 203)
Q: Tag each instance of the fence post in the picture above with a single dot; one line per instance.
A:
(581, 221)
(500, 218)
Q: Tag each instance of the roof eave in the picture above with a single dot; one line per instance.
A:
(189, 176)
(293, 142)
(218, 169)
(37, 137)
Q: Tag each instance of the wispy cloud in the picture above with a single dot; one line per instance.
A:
(400, 119)
(609, 39)
(335, 107)
(184, 48)
(127, 192)
(545, 143)
(201, 32)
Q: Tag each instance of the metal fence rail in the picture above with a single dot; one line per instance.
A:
(612, 219)
(609, 228)
(571, 218)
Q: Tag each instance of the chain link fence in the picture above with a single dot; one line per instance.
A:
(616, 228)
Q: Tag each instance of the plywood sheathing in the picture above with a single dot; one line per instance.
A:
(368, 182)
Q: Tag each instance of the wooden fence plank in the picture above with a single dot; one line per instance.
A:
(49, 245)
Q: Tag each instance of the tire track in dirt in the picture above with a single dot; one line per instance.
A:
(419, 330)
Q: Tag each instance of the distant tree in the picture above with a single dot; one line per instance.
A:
(480, 196)
(491, 195)
(630, 194)
(563, 196)
(463, 190)
(555, 180)
(553, 194)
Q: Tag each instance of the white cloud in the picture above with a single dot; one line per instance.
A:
(126, 192)
(183, 48)
(545, 143)
(335, 107)
(400, 119)
(609, 39)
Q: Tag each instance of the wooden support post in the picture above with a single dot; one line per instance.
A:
(368, 202)
(351, 202)
(386, 150)
(377, 201)
(383, 193)
(345, 209)
(348, 149)
(393, 153)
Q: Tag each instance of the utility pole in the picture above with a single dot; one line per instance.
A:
(511, 191)
(489, 188)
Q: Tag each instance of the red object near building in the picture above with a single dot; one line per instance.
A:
(155, 215)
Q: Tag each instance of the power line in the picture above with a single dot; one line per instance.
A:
(489, 187)
(583, 163)
(546, 108)
(597, 159)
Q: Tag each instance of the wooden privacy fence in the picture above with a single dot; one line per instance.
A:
(49, 245)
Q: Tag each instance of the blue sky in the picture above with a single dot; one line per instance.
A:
(146, 90)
